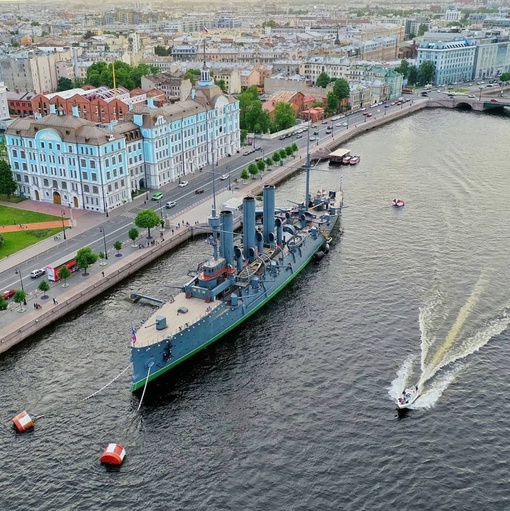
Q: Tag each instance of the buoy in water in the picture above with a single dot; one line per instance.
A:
(23, 422)
(113, 454)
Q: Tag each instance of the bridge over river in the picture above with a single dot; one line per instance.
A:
(463, 102)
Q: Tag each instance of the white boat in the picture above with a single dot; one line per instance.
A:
(408, 397)
(398, 203)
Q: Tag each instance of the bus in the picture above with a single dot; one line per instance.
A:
(52, 271)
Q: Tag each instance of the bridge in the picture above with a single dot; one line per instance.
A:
(465, 103)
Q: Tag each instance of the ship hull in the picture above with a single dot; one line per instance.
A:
(151, 362)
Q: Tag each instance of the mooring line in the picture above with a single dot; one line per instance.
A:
(102, 388)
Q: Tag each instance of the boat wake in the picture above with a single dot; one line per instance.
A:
(443, 359)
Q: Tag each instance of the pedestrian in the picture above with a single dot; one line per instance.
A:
(54, 301)
(102, 273)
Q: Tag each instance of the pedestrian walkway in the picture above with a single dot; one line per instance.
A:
(35, 226)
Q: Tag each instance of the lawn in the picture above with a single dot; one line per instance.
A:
(16, 241)
(14, 216)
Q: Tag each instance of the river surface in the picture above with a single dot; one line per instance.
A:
(294, 410)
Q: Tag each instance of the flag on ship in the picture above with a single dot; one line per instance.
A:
(204, 30)
(133, 335)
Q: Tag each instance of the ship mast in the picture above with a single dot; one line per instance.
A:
(307, 190)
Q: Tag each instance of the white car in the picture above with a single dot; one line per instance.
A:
(182, 184)
(224, 177)
(37, 273)
(171, 204)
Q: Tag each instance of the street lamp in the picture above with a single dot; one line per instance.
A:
(101, 229)
(481, 89)
(229, 184)
(62, 213)
(160, 209)
(17, 271)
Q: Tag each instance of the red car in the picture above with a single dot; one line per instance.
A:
(493, 100)
(8, 293)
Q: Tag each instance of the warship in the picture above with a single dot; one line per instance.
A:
(240, 278)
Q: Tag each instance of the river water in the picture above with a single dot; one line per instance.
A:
(294, 410)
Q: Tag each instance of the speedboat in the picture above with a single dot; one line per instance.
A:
(408, 397)
(398, 203)
(354, 160)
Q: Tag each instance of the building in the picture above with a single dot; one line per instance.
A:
(454, 60)
(172, 85)
(74, 161)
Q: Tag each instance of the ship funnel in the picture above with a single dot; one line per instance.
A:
(227, 236)
(248, 225)
(269, 201)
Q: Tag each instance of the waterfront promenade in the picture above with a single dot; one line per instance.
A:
(17, 326)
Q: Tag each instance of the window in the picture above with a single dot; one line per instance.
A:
(93, 176)
(86, 188)
(95, 189)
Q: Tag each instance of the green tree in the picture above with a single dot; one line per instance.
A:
(332, 103)
(7, 184)
(294, 147)
(64, 274)
(403, 69)
(44, 286)
(84, 258)
(3, 303)
(412, 76)
(20, 297)
(64, 84)
(245, 174)
(422, 29)
(284, 116)
(221, 84)
(147, 219)
(133, 234)
(322, 80)
(252, 116)
(161, 51)
(261, 165)
(88, 34)
(288, 150)
(253, 169)
(283, 154)
(192, 75)
(505, 77)
(276, 157)
(269, 161)
(117, 246)
(341, 89)
(426, 72)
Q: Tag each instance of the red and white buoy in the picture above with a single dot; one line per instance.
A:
(113, 454)
(23, 422)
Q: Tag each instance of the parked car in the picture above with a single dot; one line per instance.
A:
(170, 205)
(37, 273)
(182, 184)
(224, 177)
(157, 196)
(198, 191)
(315, 132)
(8, 293)
(494, 100)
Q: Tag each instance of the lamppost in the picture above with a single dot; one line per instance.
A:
(481, 89)
(62, 213)
(160, 210)
(17, 271)
(229, 184)
(101, 229)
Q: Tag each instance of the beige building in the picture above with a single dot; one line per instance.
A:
(172, 85)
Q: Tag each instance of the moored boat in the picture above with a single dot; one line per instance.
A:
(239, 278)
(398, 203)
(408, 397)
(346, 159)
(354, 160)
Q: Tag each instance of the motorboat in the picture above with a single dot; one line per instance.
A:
(398, 203)
(346, 159)
(354, 160)
(408, 397)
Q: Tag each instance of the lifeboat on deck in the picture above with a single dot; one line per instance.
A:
(398, 203)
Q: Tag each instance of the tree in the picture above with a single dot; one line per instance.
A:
(269, 161)
(21, 298)
(221, 84)
(283, 154)
(276, 157)
(88, 34)
(253, 169)
(3, 303)
(245, 174)
(161, 51)
(322, 80)
(341, 89)
(147, 219)
(64, 273)
(422, 29)
(288, 150)
(332, 103)
(117, 246)
(7, 184)
(133, 234)
(505, 77)
(84, 258)
(403, 69)
(192, 75)
(294, 147)
(412, 76)
(284, 116)
(64, 84)
(426, 72)
(261, 165)
(44, 286)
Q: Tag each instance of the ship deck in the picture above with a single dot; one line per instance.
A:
(176, 321)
